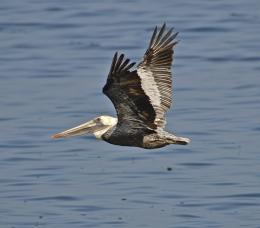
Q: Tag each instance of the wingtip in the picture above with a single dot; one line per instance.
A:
(164, 25)
(121, 56)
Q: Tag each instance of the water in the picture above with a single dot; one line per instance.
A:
(55, 56)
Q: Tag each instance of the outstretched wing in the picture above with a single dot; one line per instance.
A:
(155, 72)
(124, 89)
(143, 96)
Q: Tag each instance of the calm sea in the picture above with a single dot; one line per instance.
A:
(54, 59)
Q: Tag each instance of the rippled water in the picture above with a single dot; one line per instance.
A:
(54, 59)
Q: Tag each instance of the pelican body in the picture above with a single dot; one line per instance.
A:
(141, 97)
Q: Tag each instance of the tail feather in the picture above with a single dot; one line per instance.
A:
(172, 139)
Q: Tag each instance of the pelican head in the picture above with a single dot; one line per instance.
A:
(97, 126)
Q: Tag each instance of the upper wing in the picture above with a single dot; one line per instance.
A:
(143, 96)
(155, 72)
(124, 89)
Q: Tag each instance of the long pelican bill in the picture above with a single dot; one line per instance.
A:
(89, 127)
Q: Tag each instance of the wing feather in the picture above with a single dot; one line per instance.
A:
(155, 71)
(123, 87)
(143, 96)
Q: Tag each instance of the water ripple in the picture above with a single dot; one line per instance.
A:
(55, 198)
(55, 56)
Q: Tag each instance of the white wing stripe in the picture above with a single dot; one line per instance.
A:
(149, 86)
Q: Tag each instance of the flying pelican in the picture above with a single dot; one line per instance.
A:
(140, 96)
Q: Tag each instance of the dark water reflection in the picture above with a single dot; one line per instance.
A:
(54, 60)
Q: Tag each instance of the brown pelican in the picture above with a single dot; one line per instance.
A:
(140, 96)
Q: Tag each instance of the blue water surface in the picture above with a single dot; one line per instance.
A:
(55, 56)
